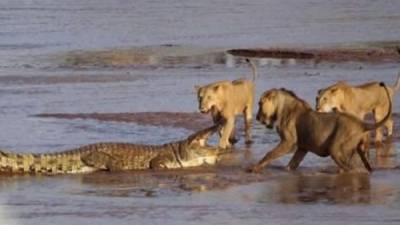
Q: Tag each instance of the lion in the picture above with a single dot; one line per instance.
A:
(225, 100)
(359, 101)
(339, 135)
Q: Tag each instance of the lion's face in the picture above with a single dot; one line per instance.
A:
(329, 100)
(267, 107)
(208, 98)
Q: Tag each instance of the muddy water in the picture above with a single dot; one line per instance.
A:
(33, 29)
(129, 103)
(220, 195)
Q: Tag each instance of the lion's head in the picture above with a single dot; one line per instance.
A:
(267, 108)
(331, 99)
(273, 102)
(208, 97)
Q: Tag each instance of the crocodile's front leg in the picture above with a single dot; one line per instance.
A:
(102, 161)
(165, 161)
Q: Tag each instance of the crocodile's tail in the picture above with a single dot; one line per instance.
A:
(253, 68)
(39, 163)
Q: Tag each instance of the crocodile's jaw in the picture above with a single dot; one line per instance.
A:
(85, 169)
(195, 161)
(200, 161)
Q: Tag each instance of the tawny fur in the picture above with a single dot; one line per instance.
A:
(359, 101)
(225, 100)
(338, 135)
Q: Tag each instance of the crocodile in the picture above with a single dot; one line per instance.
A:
(114, 156)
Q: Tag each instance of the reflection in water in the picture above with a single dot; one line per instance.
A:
(228, 173)
(345, 188)
(4, 218)
(385, 156)
(154, 184)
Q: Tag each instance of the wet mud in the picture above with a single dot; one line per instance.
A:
(388, 52)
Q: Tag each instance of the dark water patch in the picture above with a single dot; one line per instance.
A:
(387, 52)
(66, 79)
(272, 53)
(173, 56)
(45, 9)
(25, 46)
(161, 56)
(32, 91)
(346, 188)
(191, 121)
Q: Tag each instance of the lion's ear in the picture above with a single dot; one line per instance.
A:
(216, 88)
(319, 91)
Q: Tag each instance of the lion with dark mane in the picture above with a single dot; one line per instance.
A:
(338, 135)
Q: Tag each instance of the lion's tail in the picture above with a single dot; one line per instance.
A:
(253, 68)
(364, 159)
(369, 126)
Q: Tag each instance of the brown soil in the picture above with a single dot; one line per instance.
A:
(370, 53)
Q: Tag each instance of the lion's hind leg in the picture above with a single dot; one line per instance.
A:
(248, 119)
(379, 114)
(341, 162)
(338, 154)
(363, 158)
(296, 159)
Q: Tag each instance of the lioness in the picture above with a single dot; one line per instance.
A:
(336, 134)
(359, 101)
(225, 100)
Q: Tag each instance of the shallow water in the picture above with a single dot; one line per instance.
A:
(33, 29)
(32, 82)
(221, 195)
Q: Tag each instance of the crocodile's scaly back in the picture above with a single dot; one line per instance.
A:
(114, 157)
(99, 156)
(122, 156)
